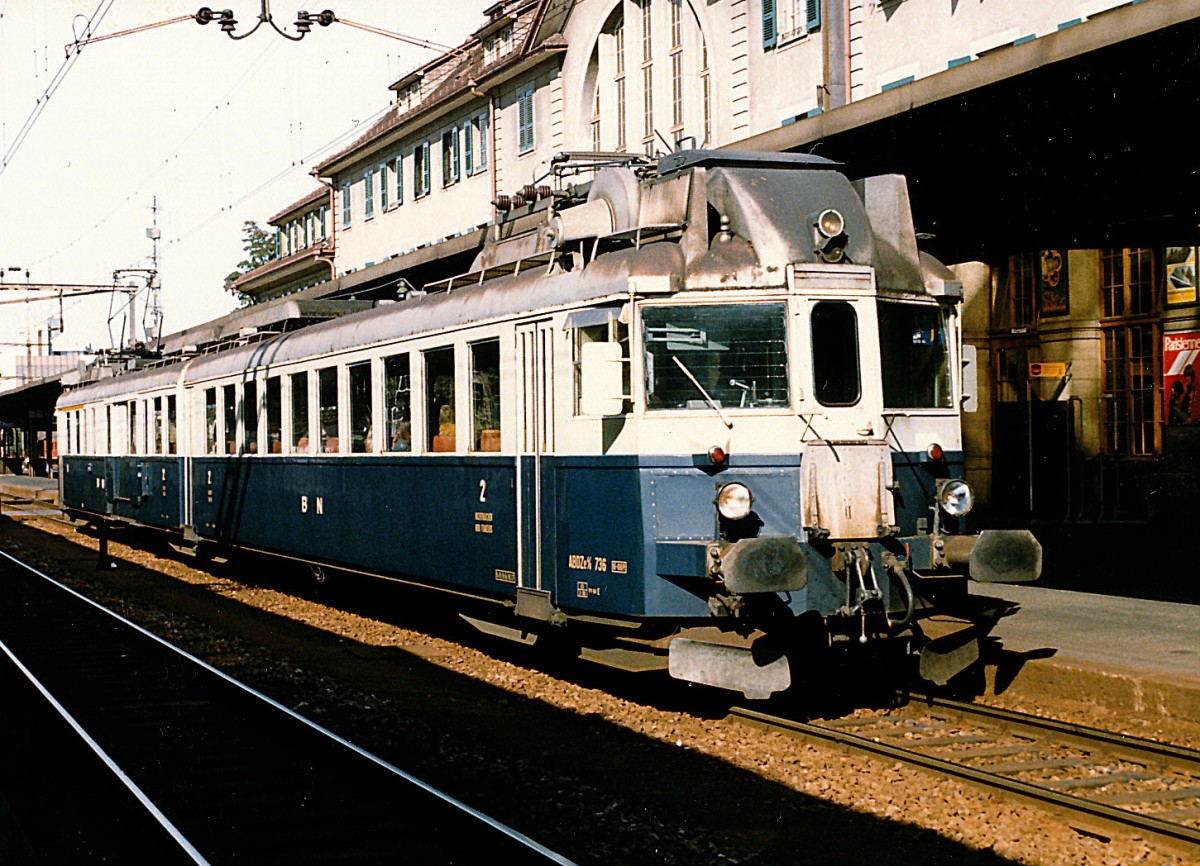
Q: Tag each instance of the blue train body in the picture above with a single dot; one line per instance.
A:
(688, 413)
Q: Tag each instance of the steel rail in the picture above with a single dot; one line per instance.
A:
(1177, 758)
(1102, 813)
(521, 842)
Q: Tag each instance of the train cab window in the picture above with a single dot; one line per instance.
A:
(301, 444)
(610, 331)
(108, 430)
(397, 403)
(229, 432)
(134, 418)
(485, 396)
(439, 400)
(361, 390)
(836, 379)
(69, 440)
(274, 416)
(172, 436)
(250, 418)
(210, 422)
(915, 357)
(327, 403)
(730, 355)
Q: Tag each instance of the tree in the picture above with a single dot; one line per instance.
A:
(259, 247)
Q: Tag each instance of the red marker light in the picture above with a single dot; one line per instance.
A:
(935, 451)
(717, 455)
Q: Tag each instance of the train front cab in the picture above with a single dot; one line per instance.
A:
(799, 462)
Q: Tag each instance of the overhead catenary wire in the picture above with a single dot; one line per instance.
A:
(73, 52)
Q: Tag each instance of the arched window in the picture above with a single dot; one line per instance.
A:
(648, 79)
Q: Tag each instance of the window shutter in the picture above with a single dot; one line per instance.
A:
(468, 150)
(768, 23)
(399, 181)
(483, 141)
(812, 15)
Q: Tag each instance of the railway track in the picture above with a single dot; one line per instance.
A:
(1099, 781)
(218, 772)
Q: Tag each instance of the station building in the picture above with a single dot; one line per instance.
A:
(1085, 410)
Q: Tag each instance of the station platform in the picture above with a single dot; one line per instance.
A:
(1126, 655)
(27, 487)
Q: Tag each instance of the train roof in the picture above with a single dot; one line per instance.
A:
(605, 277)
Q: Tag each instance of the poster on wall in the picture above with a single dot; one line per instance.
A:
(1181, 275)
(1055, 299)
(1181, 363)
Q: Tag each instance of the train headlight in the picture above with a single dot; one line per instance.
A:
(734, 501)
(955, 497)
(830, 223)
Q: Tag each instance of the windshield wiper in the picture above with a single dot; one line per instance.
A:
(700, 388)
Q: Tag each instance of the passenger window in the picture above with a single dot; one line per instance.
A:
(398, 403)
(133, 428)
(250, 418)
(300, 441)
(210, 421)
(108, 430)
(327, 401)
(439, 400)
(274, 416)
(485, 396)
(172, 441)
(836, 380)
(229, 434)
(361, 390)
(157, 444)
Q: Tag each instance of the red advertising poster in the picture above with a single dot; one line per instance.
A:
(1181, 363)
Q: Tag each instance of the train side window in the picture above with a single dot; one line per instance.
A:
(156, 426)
(485, 396)
(836, 379)
(398, 403)
(439, 400)
(172, 440)
(327, 402)
(229, 432)
(301, 443)
(210, 421)
(133, 428)
(250, 418)
(361, 389)
(609, 332)
(274, 416)
(108, 430)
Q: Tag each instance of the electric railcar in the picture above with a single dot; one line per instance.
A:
(702, 414)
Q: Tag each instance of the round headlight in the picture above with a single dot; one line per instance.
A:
(830, 223)
(956, 498)
(734, 501)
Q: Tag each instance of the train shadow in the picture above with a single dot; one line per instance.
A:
(566, 777)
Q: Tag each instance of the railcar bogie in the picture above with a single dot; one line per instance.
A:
(695, 415)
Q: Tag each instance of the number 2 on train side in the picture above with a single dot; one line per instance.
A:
(483, 490)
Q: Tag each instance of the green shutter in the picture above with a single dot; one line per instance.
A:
(768, 23)
(812, 15)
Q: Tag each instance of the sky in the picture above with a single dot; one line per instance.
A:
(178, 126)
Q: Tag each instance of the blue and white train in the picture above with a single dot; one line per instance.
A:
(702, 414)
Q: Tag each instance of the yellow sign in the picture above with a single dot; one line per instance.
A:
(1047, 370)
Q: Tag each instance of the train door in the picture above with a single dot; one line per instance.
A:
(535, 439)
